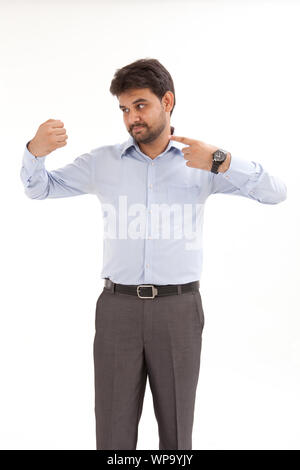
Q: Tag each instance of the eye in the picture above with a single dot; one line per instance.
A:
(126, 109)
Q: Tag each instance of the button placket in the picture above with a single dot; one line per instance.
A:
(150, 181)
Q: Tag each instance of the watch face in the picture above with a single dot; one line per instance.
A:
(219, 155)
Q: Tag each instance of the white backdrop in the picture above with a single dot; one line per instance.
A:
(236, 72)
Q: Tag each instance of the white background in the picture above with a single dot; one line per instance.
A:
(236, 72)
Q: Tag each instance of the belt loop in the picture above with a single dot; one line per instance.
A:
(179, 289)
(111, 285)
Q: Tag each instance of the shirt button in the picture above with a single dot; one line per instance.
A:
(150, 238)
(147, 265)
(150, 186)
(152, 163)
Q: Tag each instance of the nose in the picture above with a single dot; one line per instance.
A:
(135, 120)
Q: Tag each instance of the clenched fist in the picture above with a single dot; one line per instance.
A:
(50, 136)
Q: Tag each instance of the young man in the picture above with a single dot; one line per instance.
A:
(149, 315)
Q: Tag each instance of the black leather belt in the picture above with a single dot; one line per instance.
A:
(149, 291)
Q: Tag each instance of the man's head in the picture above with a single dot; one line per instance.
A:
(146, 95)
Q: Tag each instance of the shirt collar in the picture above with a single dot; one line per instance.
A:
(131, 142)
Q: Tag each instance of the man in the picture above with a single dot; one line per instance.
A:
(149, 315)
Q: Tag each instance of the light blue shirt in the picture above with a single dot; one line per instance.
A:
(143, 244)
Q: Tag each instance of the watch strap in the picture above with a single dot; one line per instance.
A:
(215, 166)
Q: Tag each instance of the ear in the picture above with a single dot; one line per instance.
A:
(168, 101)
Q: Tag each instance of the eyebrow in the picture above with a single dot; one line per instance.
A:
(134, 102)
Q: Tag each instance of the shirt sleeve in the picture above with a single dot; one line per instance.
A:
(74, 179)
(251, 180)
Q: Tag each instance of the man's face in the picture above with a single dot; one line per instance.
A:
(141, 107)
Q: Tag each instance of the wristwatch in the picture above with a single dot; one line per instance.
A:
(219, 156)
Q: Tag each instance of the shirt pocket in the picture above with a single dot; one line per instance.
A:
(183, 194)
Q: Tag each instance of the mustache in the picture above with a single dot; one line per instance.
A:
(141, 125)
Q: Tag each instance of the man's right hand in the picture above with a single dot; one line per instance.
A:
(50, 136)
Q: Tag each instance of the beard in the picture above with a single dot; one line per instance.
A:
(147, 135)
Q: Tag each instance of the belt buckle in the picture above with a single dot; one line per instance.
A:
(154, 291)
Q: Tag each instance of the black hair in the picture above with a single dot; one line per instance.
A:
(143, 73)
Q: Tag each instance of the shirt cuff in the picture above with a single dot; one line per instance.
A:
(30, 162)
(239, 171)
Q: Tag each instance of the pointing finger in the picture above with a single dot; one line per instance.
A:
(184, 140)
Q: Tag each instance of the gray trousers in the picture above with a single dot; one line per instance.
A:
(135, 338)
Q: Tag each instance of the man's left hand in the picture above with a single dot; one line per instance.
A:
(199, 154)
